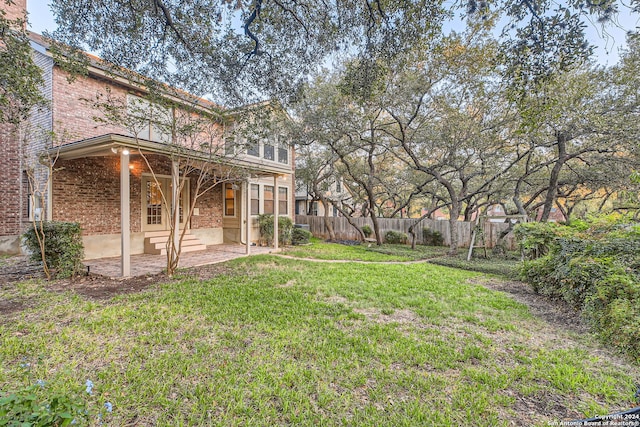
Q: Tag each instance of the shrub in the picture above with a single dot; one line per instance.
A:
(285, 228)
(300, 236)
(395, 237)
(367, 231)
(536, 238)
(39, 406)
(63, 249)
(431, 237)
(596, 269)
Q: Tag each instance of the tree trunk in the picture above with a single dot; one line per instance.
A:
(552, 190)
(454, 213)
(328, 222)
(412, 228)
(350, 221)
(376, 229)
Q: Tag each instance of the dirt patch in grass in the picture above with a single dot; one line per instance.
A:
(10, 306)
(207, 272)
(18, 269)
(95, 287)
(100, 287)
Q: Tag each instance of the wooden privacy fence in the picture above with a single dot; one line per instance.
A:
(344, 230)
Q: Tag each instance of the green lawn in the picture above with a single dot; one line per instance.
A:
(365, 252)
(272, 341)
(502, 266)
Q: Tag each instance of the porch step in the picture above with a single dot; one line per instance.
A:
(163, 239)
(155, 243)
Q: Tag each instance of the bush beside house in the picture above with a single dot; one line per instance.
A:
(285, 229)
(63, 249)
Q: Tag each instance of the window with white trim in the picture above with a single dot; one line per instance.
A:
(153, 121)
(255, 199)
(253, 147)
(229, 200)
(269, 151)
(283, 154)
(283, 200)
(268, 199)
(34, 206)
(229, 146)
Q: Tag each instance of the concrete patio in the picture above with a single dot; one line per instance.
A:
(144, 264)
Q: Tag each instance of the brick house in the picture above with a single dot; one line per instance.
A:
(104, 170)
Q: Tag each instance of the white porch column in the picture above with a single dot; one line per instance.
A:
(50, 195)
(247, 215)
(275, 212)
(175, 204)
(125, 226)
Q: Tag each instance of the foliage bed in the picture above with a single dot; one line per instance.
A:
(595, 267)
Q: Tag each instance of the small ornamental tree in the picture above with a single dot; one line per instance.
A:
(39, 168)
(194, 141)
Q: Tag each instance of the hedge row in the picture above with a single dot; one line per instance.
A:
(595, 267)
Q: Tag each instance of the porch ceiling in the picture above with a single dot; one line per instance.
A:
(108, 144)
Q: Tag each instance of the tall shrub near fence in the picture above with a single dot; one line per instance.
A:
(595, 267)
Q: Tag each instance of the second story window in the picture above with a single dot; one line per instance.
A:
(338, 185)
(152, 122)
(253, 148)
(283, 154)
(229, 146)
(269, 152)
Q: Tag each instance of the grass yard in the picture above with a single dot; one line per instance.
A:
(502, 266)
(364, 252)
(266, 341)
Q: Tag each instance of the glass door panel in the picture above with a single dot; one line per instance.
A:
(157, 213)
(154, 203)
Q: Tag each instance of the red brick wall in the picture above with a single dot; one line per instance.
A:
(210, 205)
(88, 191)
(73, 118)
(10, 182)
(15, 10)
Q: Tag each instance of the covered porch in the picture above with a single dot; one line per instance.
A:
(146, 264)
(132, 199)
